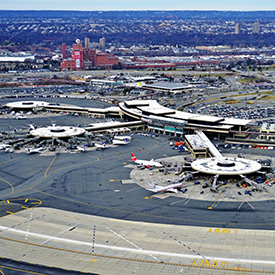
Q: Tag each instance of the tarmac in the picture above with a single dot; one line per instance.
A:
(92, 244)
(90, 212)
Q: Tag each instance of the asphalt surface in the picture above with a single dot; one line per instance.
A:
(11, 267)
(92, 183)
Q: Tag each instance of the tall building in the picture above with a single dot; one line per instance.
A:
(94, 45)
(85, 58)
(63, 51)
(237, 28)
(102, 43)
(256, 27)
(87, 42)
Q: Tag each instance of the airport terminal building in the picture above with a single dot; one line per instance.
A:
(163, 120)
(150, 115)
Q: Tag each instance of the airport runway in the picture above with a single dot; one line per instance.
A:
(95, 184)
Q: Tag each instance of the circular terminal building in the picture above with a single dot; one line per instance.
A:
(23, 105)
(57, 132)
(226, 166)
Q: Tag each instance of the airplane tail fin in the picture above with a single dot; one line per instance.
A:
(153, 185)
(133, 158)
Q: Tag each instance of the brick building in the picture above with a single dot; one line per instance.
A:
(85, 58)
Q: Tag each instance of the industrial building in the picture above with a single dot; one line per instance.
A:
(85, 58)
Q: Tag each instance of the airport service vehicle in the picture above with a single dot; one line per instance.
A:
(168, 188)
(184, 190)
(149, 163)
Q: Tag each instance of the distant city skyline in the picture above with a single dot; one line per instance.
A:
(106, 5)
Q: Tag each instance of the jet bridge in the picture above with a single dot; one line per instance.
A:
(214, 183)
(252, 183)
(212, 150)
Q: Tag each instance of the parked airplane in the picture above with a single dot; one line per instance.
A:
(121, 141)
(149, 163)
(168, 188)
(20, 117)
(123, 137)
(101, 146)
(80, 149)
(4, 146)
(34, 150)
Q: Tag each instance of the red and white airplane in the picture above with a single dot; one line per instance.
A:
(150, 163)
(168, 188)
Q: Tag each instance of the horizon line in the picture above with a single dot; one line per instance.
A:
(222, 10)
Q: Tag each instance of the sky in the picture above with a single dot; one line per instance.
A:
(91, 5)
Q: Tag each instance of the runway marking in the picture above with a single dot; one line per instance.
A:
(240, 205)
(247, 203)
(12, 188)
(20, 270)
(211, 206)
(37, 203)
(45, 174)
(187, 201)
(59, 234)
(133, 189)
(250, 205)
(132, 243)
(97, 159)
(175, 202)
(154, 145)
(160, 253)
(93, 244)
(270, 193)
(184, 245)
(10, 160)
(29, 224)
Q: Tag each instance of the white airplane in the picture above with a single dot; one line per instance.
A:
(101, 146)
(80, 149)
(4, 146)
(123, 137)
(20, 117)
(34, 150)
(121, 140)
(145, 162)
(168, 188)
